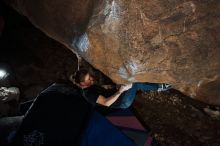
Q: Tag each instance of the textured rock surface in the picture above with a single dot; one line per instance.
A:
(170, 41)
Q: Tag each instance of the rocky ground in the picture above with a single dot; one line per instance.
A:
(37, 61)
(177, 120)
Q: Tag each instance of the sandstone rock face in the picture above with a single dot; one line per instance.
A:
(170, 41)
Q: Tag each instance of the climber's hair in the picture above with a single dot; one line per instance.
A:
(80, 75)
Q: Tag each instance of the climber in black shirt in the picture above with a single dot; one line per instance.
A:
(121, 98)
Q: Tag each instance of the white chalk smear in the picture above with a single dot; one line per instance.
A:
(132, 67)
(123, 72)
(81, 43)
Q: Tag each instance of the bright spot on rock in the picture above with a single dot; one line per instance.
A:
(132, 66)
(81, 43)
(123, 72)
(115, 9)
(131, 79)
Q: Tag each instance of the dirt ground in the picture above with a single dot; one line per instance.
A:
(174, 119)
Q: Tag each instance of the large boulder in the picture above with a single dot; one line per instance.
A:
(171, 41)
